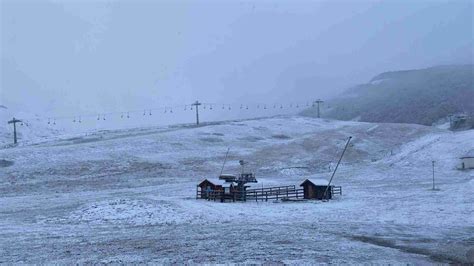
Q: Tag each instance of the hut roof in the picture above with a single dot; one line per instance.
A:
(316, 181)
(469, 154)
(213, 181)
(216, 182)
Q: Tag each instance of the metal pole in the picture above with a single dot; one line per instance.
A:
(197, 114)
(197, 103)
(225, 160)
(319, 116)
(14, 121)
(433, 162)
(337, 166)
(319, 101)
(14, 132)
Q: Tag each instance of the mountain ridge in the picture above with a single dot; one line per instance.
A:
(421, 96)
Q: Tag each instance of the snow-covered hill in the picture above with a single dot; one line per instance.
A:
(422, 96)
(128, 195)
(31, 130)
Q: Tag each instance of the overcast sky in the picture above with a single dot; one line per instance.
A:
(62, 56)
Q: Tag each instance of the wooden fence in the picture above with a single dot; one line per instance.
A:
(275, 194)
(260, 194)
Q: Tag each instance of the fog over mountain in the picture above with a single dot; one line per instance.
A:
(421, 96)
(67, 57)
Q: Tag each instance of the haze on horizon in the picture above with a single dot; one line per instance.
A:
(65, 56)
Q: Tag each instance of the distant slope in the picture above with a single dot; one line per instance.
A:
(116, 187)
(414, 96)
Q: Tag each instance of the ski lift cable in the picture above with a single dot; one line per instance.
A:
(186, 107)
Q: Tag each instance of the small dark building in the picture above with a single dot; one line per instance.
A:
(467, 161)
(208, 186)
(315, 188)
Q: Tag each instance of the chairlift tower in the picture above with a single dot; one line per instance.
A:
(318, 102)
(240, 180)
(245, 177)
(14, 121)
(242, 165)
(197, 104)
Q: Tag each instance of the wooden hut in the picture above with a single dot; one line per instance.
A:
(216, 189)
(208, 186)
(315, 188)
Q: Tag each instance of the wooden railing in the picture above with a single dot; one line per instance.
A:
(271, 189)
(280, 194)
(260, 194)
(336, 190)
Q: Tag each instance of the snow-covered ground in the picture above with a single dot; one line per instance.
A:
(129, 195)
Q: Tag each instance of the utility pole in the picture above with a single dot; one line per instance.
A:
(14, 121)
(318, 101)
(197, 103)
(433, 175)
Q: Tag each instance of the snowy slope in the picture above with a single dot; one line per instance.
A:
(31, 130)
(421, 96)
(128, 195)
